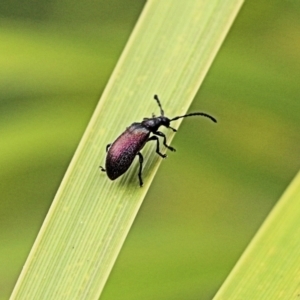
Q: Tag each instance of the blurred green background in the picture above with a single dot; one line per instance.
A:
(208, 198)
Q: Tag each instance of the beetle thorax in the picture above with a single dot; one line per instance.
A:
(152, 124)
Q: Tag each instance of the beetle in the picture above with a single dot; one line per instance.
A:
(121, 153)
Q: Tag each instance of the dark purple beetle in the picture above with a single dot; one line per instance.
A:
(121, 153)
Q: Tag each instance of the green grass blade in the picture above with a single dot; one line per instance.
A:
(169, 53)
(269, 268)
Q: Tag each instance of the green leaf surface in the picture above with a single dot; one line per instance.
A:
(168, 53)
(269, 268)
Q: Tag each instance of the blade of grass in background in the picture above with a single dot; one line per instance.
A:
(169, 53)
(269, 268)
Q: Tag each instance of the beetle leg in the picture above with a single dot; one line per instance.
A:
(141, 159)
(159, 133)
(155, 138)
(101, 168)
(175, 130)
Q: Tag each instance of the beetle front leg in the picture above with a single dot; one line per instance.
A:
(155, 138)
(141, 159)
(159, 133)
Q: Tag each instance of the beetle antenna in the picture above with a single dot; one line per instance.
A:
(195, 114)
(158, 102)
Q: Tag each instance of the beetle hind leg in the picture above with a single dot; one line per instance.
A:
(101, 168)
(141, 159)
